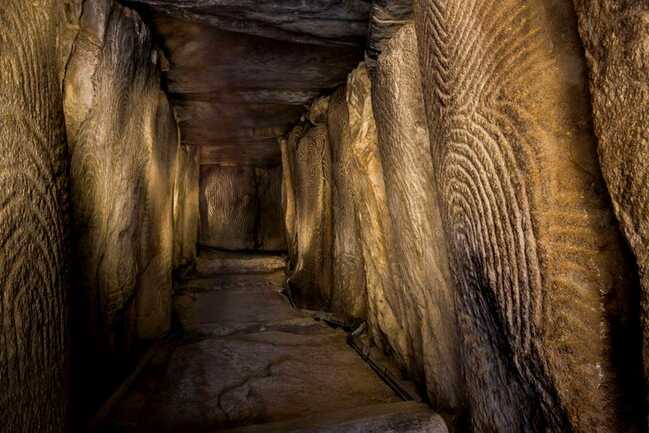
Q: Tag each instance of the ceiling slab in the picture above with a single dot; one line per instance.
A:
(236, 91)
(315, 22)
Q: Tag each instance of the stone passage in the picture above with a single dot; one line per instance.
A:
(247, 358)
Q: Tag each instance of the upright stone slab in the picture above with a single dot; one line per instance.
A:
(616, 37)
(372, 215)
(186, 205)
(271, 234)
(155, 283)
(311, 277)
(287, 146)
(423, 287)
(33, 220)
(349, 296)
(122, 143)
(228, 207)
(543, 287)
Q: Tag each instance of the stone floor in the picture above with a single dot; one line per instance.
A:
(247, 358)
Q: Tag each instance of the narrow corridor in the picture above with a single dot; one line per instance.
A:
(324, 216)
(246, 356)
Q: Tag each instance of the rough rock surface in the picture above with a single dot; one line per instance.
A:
(289, 207)
(326, 22)
(33, 219)
(211, 263)
(616, 37)
(252, 359)
(386, 18)
(257, 87)
(241, 208)
(349, 295)
(186, 205)
(403, 417)
(311, 277)
(419, 257)
(372, 214)
(122, 144)
(538, 262)
(270, 234)
(228, 207)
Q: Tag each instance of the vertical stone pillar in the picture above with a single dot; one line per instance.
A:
(616, 38)
(536, 256)
(33, 220)
(423, 286)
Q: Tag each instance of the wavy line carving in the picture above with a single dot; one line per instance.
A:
(534, 252)
(311, 159)
(33, 209)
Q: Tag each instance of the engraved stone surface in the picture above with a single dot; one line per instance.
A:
(241, 208)
(543, 288)
(311, 274)
(228, 207)
(122, 140)
(349, 295)
(33, 219)
(419, 257)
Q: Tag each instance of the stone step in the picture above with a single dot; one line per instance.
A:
(214, 263)
(240, 308)
(402, 417)
(273, 280)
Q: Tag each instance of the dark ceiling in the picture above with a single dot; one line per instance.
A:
(240, 73)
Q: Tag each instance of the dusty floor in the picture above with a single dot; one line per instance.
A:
(247, 357)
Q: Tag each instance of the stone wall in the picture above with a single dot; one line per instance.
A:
(419, 255)
(186, 205)
(123, 141)
(466, 166)
(240, 208)
(544, 292)
(228, 207)
(349, 294)
(33, 219)
(311, 273)
(616, 38)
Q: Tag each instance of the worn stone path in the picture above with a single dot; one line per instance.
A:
(247, 358)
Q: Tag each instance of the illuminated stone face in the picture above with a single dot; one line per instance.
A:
(450, 191)
(123, 140)
(539, 266)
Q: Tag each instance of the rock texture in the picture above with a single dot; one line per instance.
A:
(228, 207)
(616, 38)
(270, 234)
(33, 220)
(289, 205)
(349, 295)
(253, 359)
(122, 145)
(423, 293)
(311, 275)
(327, 22)
(186, 205)
(386, 18)
(543, 287)
(403, 417)
(372, 214)
(241, 208)
(259, 84)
